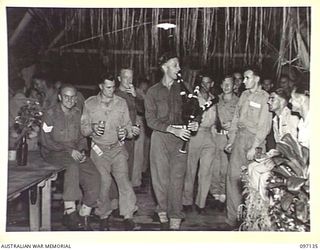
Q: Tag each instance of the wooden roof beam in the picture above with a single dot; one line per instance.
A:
(20, 28)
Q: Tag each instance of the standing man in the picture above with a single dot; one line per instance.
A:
(225, 112)
(250, 126)
(63, 144)
(202, 149)
(163, 105)
(283, 122)
(106, 120)
(140, 148)
(127, 91)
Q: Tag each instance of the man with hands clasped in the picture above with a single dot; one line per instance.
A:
(106, 120)
(250, 126)
(163, 105)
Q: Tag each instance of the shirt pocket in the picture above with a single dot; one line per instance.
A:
(162, 107)
(253, 114)
(74, 132)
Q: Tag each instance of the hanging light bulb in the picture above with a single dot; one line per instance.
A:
(166, 26)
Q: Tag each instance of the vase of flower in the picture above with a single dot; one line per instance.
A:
(22, 152)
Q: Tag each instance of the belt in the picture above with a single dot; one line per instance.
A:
(222, 132)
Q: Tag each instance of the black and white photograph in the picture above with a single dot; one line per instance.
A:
(158, 119)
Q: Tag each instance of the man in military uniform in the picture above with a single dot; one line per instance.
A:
(250, 126)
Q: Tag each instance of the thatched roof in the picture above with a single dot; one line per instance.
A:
(220, 38)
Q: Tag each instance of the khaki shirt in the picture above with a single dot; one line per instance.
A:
(163, 107)
(61, 131)
(227, 109)
(208, 116)
(115, 114)
(284, 124)
(252, 113)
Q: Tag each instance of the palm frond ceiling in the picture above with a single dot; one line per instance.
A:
(221, 38)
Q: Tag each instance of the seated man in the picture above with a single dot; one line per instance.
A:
(63, 144)
(283, 122)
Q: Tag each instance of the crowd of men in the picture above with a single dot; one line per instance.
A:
(102, 141)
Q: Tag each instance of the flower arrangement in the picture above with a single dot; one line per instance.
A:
(276, 190)
(28, 122)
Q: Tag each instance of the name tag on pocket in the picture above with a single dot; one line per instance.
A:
(255, 105)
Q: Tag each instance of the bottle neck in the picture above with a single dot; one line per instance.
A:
(24, 139)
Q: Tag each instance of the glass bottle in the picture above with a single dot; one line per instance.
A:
(22, 152)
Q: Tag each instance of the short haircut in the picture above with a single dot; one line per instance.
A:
(106, 76)
(166, 57)
(206, 73)
(255, 71)
(67, 85)
(227, 76)
(282, 93)
(125, 68)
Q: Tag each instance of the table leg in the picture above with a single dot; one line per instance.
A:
(46, 204)
(34, 208)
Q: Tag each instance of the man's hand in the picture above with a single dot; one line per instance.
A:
(226, 125)
(193, 126)
(182, 133)
(97, 129)
(76, 155)
(122, 133)
(131, 90)
(251, 153)
(135, 130)
(228, 148)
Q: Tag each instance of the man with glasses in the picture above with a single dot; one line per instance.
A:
(63, 144)
(49, 91)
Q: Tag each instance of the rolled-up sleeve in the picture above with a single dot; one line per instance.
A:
(86, 128)
(151, 113)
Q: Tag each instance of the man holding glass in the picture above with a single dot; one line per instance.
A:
(106, 120)
(127, 91)
(63, 144)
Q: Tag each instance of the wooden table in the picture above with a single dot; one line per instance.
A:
(36, 176)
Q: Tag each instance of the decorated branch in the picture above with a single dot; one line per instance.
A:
(277, 190)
